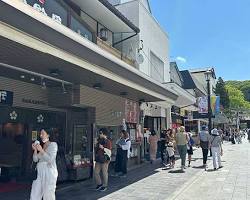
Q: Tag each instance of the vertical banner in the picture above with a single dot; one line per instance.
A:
(202, 105)
(215, 104)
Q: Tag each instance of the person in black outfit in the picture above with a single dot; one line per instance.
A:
(118, 158)
(162, 144)
(123, 151)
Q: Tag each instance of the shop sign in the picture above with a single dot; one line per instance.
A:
(49, 8)
(131, 111)
(6, 97)
(35, 102)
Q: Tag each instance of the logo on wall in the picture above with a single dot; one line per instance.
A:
(40, 118)
(6, 97)
(13, 115)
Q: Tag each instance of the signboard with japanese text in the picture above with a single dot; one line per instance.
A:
(131, 111)
(6, 97)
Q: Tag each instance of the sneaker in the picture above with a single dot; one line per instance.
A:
(215, 169)
(220, 167)
(189, 165)
(103, 189)
(98, 187)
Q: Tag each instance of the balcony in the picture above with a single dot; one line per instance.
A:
(108, 47)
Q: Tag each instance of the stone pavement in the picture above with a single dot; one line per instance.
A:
(232, 182)
(151, 182)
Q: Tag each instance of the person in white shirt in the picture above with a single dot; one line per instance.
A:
(45, 185)
(125, 153)
(170, 150)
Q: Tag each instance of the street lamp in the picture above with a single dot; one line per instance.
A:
(208, 75)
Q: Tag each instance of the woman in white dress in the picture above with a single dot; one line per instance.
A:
(45, 185)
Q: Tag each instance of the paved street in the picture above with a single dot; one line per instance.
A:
(151, 182)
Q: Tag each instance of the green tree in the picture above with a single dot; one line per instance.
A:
(220, 90)
(237, 98)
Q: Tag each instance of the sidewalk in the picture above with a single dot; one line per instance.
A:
(151, 182)
(147, 182)
(232, 182)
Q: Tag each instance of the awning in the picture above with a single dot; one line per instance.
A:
(107, 15)
(185, 99)
(81, 61)
(220, 118)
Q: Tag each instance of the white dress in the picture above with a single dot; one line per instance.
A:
(45, 184)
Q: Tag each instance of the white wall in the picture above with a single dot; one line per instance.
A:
(153, 36)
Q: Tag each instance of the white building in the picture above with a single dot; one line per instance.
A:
(151, 43)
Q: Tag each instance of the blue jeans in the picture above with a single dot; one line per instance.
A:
(182, 149)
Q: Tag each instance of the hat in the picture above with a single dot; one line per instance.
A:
(215, 131)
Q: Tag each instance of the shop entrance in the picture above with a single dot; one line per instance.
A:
(13, 147)
(18, 128)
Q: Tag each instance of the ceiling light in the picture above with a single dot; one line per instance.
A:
(97, 86)
(32, 79)
(22, 76)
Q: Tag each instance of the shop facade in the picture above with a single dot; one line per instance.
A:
(65, 82)
(28, 109)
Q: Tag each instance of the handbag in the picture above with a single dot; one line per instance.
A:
(33, 171)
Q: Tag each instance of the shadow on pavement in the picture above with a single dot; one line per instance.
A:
(179, 171)
(198, 167)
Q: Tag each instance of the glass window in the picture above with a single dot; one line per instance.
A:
(80, 145)
(78, 27)
(157, 68)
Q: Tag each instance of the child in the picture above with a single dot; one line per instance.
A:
(170, 150)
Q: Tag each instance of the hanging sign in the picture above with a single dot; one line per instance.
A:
(202, 104)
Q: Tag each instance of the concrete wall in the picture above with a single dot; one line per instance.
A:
(155, 40)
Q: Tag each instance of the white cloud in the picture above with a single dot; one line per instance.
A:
(181, 59)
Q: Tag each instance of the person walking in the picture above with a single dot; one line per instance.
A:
(163, 142)
(248, 135)
(171, 151)
(190, 148)
(153, 140)
(45, 185)
(181, 142)
(216, 146)
(102, 158)
(125, 153)
(203, 138)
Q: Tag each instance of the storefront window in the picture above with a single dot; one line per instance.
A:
(80, 145)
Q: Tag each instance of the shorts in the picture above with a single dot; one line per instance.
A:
(190, 151)
(172, 158)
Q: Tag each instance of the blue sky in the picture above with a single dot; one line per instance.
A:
(208, 33)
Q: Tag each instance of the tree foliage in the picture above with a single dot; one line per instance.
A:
(221, 91)
(244, 86)
(237, 98)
